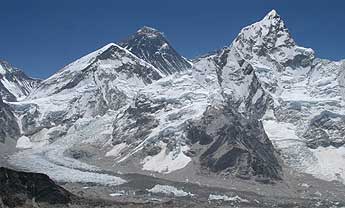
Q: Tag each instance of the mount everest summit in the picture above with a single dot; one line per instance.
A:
(150, 45)
(254, 111)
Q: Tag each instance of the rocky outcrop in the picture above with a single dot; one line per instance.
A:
(21, 188)
(8, 122)
(326, 129)
(228, 143)
(240, 86)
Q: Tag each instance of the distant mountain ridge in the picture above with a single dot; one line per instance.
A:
(14, 83)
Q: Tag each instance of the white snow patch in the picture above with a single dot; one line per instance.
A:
(167, 163)
(13, 87)
(120, 193)
(169, 190)
(116, 150)
(2, 70)
(236, 198)
(281, 134)
(24, 143)
(329, 164)
(164, 46)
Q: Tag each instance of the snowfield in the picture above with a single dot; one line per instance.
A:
(329, 163)
(167, 163)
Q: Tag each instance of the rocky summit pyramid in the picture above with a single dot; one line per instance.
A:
(261, 110)
(151, 45)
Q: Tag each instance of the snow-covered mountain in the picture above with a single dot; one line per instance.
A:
(14, 83)
(151, 45)
(299, 98)
(305, 120)
(246, 111)
(100, 81)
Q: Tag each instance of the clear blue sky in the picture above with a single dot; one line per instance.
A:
(41, 36)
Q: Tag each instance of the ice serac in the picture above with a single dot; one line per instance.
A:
(14, 83)
(151, 45)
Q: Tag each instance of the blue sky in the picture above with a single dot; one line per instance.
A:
(41, 36)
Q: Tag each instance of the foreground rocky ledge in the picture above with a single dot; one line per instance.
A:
(20, 188)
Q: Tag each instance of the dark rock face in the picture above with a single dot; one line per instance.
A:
(231, 138)
(234, 145)
(153, 150)
(240, 86)
(147, 74)
(16, 188)
(151, 46)
(326, 129)
(9, 126)
(6, 94)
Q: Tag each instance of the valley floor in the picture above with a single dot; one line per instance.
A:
(144, 191)
(139, 190)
